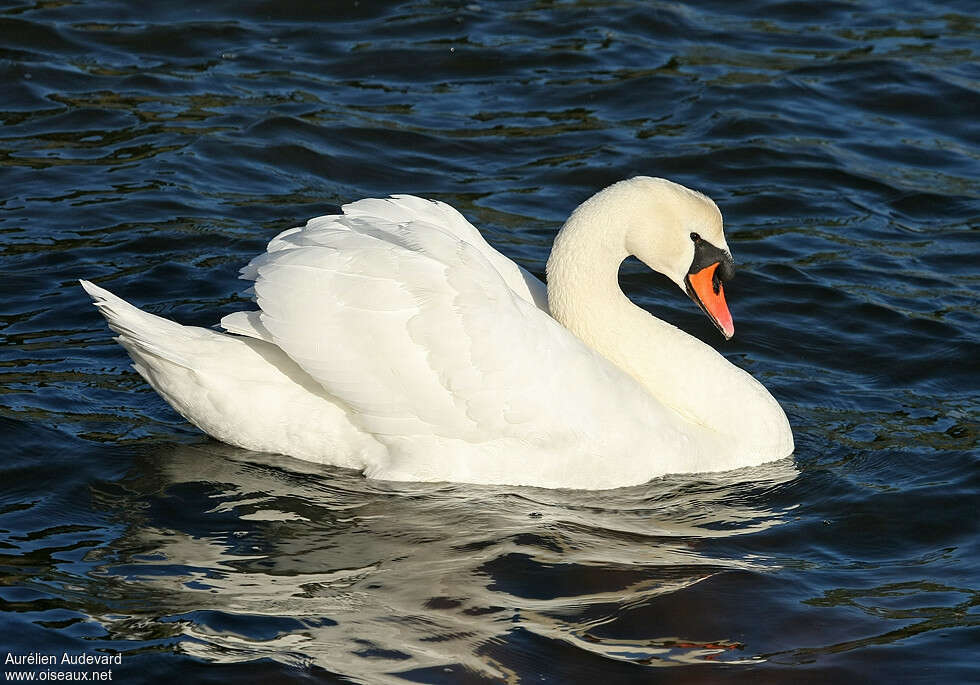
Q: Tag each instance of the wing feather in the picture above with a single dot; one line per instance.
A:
(399, 316)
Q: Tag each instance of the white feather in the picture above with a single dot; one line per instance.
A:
(394, 339)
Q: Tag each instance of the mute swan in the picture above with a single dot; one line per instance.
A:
(394, 340)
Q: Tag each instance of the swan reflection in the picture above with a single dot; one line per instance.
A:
(250, 556)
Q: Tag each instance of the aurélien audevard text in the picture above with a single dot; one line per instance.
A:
(63, 659)
(29, 663)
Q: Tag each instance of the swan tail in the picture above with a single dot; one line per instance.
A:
(142, 333)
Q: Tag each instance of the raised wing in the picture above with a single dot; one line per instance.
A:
(400, 211)
(410, 326)
(437, 348)
(417, 332)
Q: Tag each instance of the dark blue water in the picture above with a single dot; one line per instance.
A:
(155, 147)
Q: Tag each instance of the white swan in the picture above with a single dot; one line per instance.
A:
(394, 340)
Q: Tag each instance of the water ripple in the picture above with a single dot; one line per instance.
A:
(157, 147)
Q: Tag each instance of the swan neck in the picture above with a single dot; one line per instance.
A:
(677, 370)
(585, 297)
(583, 269)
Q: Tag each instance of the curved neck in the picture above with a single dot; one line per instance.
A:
(680, 371)
(583, 273)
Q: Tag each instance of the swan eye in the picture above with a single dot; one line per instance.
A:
(695, 237)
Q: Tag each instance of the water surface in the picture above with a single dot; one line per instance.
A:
(155, 147)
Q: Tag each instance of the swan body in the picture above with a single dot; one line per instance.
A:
(394, 340)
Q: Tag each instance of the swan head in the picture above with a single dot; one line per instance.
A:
(679, 233)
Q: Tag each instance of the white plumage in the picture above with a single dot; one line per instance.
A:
(395, 340)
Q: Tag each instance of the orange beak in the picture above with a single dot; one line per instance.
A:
(709, 292)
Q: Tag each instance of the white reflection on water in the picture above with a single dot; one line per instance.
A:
(308, 565)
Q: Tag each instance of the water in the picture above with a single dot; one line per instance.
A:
(155, 147)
